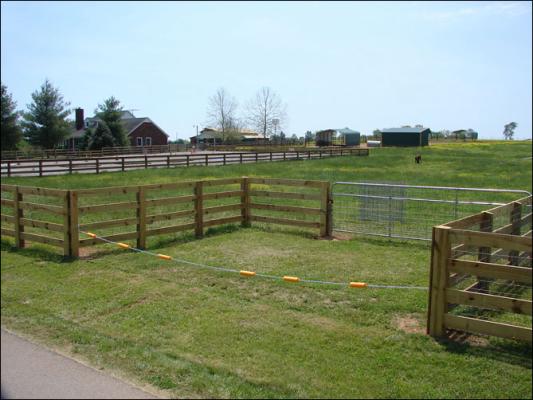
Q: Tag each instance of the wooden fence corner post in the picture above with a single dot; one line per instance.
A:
(440, 254)
(141, 218)
(19, 214)
(324, 209)
(199, 209)
(329, 220)
(74, 224)
(245, 201)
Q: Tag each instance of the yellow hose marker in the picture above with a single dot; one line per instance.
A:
(91, 234)
(164, 257)
(247, 273)
(358, 284)
(291, 279)
(123, 245)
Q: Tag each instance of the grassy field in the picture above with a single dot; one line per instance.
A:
(197, 333)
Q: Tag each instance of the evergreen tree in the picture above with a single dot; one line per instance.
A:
(10, 131)
(45, 124)
(99, 137)
(110, 112)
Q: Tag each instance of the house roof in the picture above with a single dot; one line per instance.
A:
(130, 124)
(404, 130)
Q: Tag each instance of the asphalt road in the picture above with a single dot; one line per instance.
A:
(30, 371)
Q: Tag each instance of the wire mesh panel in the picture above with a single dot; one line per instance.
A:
(408, 211)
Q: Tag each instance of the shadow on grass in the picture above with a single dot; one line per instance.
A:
(502, 350)
(42, 252)
(47, 253)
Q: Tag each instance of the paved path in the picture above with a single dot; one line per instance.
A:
(30, 371)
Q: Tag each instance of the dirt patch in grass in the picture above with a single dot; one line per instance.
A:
(466, 338)
(408, 323)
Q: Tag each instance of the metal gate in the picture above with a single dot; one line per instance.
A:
(408, 211)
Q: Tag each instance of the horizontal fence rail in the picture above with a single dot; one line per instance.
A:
(45, 167)
(74, 153)
(481, 273)
(58, 217)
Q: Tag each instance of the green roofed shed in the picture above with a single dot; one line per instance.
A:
(405, 137)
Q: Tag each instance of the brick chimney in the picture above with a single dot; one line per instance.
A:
(79, 118)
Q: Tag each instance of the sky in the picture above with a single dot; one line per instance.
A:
(362, 65)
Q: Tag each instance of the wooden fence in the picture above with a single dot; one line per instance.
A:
(62, 214)
(106, 151)
(481, 274)
(96, 165)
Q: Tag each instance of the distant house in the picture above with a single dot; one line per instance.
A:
(405, 137)
(215, 136)
(339, 137)
(140, 131)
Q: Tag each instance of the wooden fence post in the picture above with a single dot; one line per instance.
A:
(141, 218)
(70, 165)
(206, 160)
(515, 217)
(40, 167)
(199, 209)
(484, 253)
(168, 161)
(122, 164)
(97, 166)
(145, 161)
(324, 206)
(74, 221)
(19, 214)
(245, 201)
(67, 237)
(9, 168)
(440, 254)
(329, 220)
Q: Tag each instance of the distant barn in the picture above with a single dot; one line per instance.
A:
(405, 137)
(338, 137)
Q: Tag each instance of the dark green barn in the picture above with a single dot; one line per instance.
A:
(405, 137)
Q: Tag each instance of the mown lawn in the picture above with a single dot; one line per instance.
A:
(198, 333)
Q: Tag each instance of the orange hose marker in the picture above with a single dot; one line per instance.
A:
(123, 245)
(91, 234)
(291, 279)
(358, 284)
(164, 257)
(247, 273)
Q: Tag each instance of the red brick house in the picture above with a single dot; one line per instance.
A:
(140, 131)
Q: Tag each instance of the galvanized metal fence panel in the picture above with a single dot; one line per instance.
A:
(408, 211)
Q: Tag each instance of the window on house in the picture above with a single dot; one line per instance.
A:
(139, 141)
(148, 141)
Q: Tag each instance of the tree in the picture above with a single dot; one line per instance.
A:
(377, 134)
(110, 112)
(99, 137)
(10, 131)
(309, 137)
(508, 131)
(266, 112)
(45, 124)
(221, 111)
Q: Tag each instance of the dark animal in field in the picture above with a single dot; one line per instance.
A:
(418, 159)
